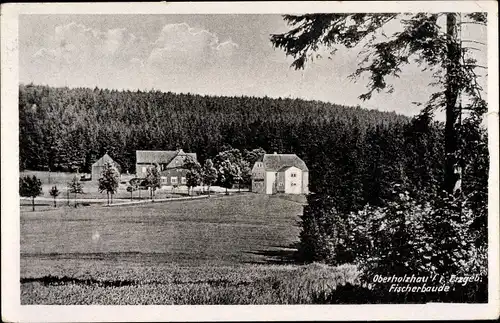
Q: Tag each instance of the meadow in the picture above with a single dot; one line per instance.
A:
(90, 188)
(236, 249)
(91, 194)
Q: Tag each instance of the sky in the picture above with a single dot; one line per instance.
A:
(203, 54)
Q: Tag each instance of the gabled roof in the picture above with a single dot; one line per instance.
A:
(103, 160)
(276, 162)
(159, 156)
(284, 168)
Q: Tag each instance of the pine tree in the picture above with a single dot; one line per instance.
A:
(423, 40)
(30, 187)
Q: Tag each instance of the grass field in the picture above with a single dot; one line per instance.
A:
(227, 250)
(90, 188)
(222, 230)
(91, 191)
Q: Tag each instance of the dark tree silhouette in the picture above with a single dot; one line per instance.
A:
(30, 186)
(54, 192)
(422, 41)
(109, 180)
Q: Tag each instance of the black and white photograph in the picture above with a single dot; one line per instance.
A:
(215, 154)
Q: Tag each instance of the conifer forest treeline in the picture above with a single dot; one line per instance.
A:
(353, 154)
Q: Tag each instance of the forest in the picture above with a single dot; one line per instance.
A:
(353, 153)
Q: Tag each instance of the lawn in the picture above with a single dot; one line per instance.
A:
(222, 230)
(91, 190)
(225, 250)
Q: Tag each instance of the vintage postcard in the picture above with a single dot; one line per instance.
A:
(249, 161)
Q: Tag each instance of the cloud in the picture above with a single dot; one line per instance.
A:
(80, 55)
(180, 48)
(227, 49)
(77, 45)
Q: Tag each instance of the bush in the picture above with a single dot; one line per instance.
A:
(431, 237)
(323, 232)
(421, 235)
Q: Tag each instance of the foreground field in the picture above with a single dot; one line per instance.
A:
(106, 282)
(224, 230)
(231, 249)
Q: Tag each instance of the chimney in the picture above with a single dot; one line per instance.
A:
(275, 153)
(180, 151)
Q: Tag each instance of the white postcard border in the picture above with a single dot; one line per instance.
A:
(13, 311)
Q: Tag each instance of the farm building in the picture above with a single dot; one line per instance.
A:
(280, 173)
(98, 166)
(170, 162)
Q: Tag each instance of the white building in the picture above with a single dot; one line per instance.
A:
(280, 173)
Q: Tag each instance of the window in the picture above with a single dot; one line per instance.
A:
(294, 184)
(294, 175)
(164, 180)
(183, 180)
(143, 169)
(173, 180)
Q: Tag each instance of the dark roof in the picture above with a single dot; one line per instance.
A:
(275, 162)
(159, 156)
(103, 160)
(284, 168)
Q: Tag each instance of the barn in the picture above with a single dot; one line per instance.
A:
(98, 166)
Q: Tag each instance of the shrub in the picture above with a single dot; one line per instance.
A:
(422, 235)
(432, 238)
(323, 232)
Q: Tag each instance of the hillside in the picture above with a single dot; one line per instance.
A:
(64, 128)
(350, 152)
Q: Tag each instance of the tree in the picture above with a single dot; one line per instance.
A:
(209, 174)
(239, 170)
(228, 174)
(421, 40)
(136, 184)
(245, 174)
(193, 175)
(253, 155)
(131, 190)
(233, 155)
(125, 122)
(109, 180)
(75, 187)
(30, 187)
(54, 192)
(153, 180)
